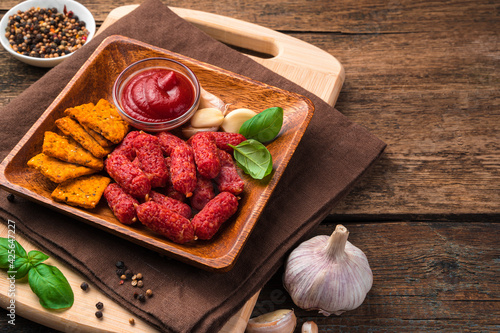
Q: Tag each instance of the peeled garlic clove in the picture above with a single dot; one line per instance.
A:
(328, 274)
(209, 100)
(207, 117)
(233, 120)
(309, 327)
(279, 321)
(189, 131)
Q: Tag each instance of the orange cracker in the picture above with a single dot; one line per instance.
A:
(79, 112)
(104, 119)
(57, 170)
(85, 191)
(68, 150)
(99, 138)
(72, 128)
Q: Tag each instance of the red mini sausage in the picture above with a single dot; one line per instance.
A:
(128, 176)
(166, 222)
(183, 169)
(228, 179)
(203, 193)
(169, 141)
(169, 190)
(172, 204)
(126, 147)
(205, 154)
(222, 139)
(121, 203)
(151, 159)
(208, 221)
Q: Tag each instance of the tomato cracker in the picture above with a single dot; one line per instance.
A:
(68, 150)
(56, 170)
(103, 118)
(85, 191)
(98, 137)
(72, 128)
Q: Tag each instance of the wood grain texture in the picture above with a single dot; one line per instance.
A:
(435, 102)
(424, 77)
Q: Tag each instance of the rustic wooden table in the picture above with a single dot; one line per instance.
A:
(424, 76)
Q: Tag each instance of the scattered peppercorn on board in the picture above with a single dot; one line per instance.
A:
(319, 72)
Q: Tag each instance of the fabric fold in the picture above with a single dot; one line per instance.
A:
(333, 154)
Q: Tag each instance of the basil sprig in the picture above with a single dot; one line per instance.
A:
(251, 155)
(46, 281)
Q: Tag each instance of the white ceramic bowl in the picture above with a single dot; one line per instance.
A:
(77, 8)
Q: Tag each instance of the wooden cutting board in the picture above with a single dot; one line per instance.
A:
(298, 61)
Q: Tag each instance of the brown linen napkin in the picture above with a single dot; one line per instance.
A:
(332, 156)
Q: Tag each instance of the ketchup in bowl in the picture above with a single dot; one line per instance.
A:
(156, 94)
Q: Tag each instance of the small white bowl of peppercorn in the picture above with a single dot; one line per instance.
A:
(43, 33)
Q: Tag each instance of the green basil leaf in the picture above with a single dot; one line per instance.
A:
(51, 287)
(36, 257)
(4, 252)
(20, 252)
(21, 267)
(264, 126)
(10, 249)
(253, 158)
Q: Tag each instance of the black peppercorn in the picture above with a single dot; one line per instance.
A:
(98, 314)
(129, 274)
(84, 286)
(11, 197)
(99, 305)
(141, 298)
(120, 264)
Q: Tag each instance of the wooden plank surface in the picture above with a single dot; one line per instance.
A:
(424, 77)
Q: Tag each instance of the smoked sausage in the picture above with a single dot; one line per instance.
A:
(217, 211)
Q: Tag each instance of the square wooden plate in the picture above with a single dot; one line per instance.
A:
(95, 80)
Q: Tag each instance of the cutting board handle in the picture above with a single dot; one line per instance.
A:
(284, 51)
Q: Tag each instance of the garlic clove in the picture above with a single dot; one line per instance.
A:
(279, 321)
(189, 131)
(209, 100)
(328, 274)
(234, 119)
(309, 327)
(207, 117)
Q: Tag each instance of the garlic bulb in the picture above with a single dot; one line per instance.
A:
(328, 274)
(279, 321)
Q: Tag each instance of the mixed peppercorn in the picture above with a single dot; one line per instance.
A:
(136, 280)
(45, 33)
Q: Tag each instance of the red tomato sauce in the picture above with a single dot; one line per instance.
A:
(157, 95)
